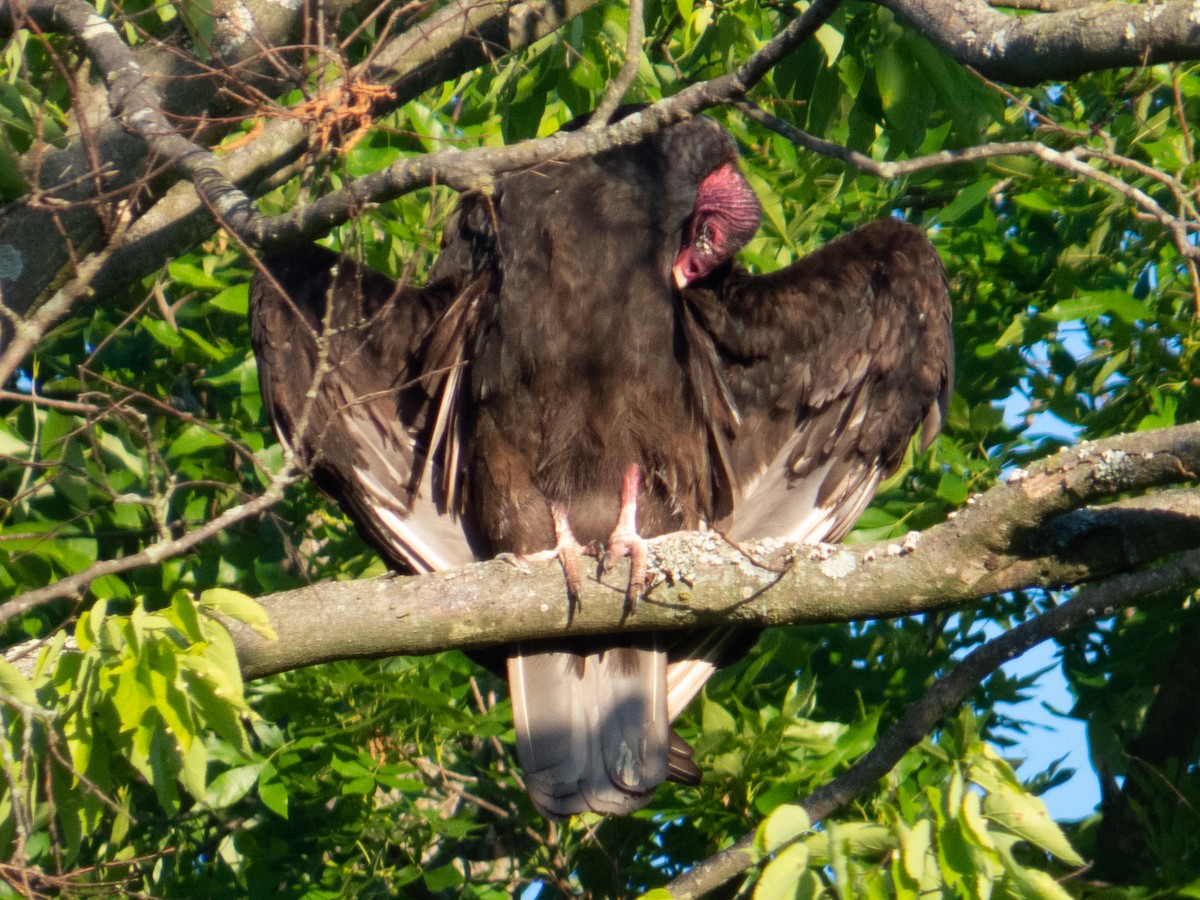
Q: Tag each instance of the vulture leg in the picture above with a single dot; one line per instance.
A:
(625, 540)
(567, 551)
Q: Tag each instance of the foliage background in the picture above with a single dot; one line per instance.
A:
(141, 761)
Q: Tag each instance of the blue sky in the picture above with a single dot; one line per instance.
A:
(1049, 736)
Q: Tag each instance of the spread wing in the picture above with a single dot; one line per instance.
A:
(340, 352)
(835, 363)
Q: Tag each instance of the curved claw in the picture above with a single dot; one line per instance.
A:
(633, 546)
(625, 540)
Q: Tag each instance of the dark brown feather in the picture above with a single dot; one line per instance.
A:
(834, 363)
(583, 366)
(339, 349)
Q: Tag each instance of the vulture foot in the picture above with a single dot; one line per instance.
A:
(567, 551)
(625, 540)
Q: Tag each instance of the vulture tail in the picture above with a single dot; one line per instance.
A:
(592, 727)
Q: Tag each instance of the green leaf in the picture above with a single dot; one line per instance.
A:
(11, 444)
(194, 439)
(218, 713)
(1024, 815)
(234, 300)
(14, 684)
(163, 333)
(780, 877)
(210, 350)
(272, 791)
(953, 489)
(1014, 334)
(785, 824)
(239, 607)
(232, 785)
(968, 199)
(1095, 303)
(192, 276)
(443, 878)
(193, 772)
(1038, 201)
(1037, 885)
(717, 719)
(12, 181)
(831, 41)
(914, 847)
(1190, 890)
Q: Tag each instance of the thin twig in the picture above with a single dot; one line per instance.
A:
(1073, 161)
(74, 585)
(635, 32)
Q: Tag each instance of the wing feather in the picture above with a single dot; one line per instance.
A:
(339, 351)
(834, 363)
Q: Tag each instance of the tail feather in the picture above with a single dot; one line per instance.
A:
(592, 728)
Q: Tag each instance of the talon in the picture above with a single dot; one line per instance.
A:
(568, 558)
(625, 540)
(637, 575)
(568, 551)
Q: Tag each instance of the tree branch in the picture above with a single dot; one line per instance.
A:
(43, 232)
(32, 250)
(1074, 161)
(1058, 45)
(635, 31)
(75, 585)
(1036, 530)
(1095, 602)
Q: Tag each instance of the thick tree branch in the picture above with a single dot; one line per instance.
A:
(1015, 536)
(1057, 45)
(1095, 602)
(43, 234)
(135, 103)
(33, 254)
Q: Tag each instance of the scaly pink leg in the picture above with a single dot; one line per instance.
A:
(567, 550)
(625, 540)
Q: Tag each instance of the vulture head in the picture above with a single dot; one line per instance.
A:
(726, 216)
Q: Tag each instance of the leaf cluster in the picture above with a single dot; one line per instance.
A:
(134, 756)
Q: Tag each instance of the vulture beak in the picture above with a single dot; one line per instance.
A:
(681, 279)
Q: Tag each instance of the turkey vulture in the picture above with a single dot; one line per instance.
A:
(588, 369)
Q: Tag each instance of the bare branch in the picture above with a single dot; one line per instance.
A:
(634, 33)
(1041, 5)
(75, 585)
(1095, 602)
(1058, 45)
(1073, 160)
(33, 253)
(134, 102)
(105, 162)
(1005, 540)
(25, 333)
